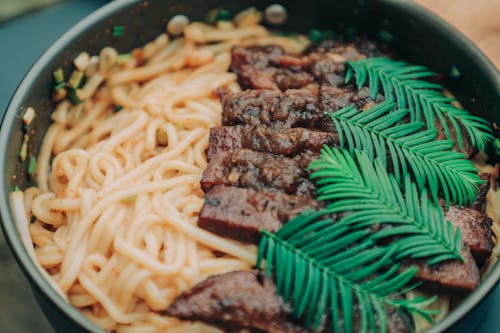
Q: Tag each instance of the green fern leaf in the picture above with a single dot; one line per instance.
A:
(400, 82)
(433, 164)
(319, 269)
(367, 195)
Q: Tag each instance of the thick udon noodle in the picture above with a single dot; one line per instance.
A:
(116, 213)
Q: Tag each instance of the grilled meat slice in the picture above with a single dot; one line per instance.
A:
(248, 300)
(257, 170)
(236, 300)
(239, 213)
(450, 276)
(286, 141)
(475, 228)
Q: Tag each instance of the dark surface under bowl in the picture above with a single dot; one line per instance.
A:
(415, 34)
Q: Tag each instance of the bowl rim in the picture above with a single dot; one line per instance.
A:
(8, 223)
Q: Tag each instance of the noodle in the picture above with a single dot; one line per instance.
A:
(115, 212)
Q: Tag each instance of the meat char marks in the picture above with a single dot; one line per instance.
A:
(259, 171)
(248, 300)
(293, 108)
(287, 142)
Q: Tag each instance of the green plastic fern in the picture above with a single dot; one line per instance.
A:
(367, 195)
(319, 270)
(401, 81)
(407, 147)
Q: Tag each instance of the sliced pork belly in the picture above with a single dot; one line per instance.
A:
(239, 213)
(258, 171)
(286, 141)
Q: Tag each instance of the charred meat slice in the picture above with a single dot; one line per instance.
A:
(239, 213)
(236, 300)
(253, 66)
(475, 228)
(248, 299)
(451, 276)
(257, 170)
(286, 141)
(296, 108)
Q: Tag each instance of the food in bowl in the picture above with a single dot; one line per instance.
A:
(139, 227)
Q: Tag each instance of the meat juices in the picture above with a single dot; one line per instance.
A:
(257, 178)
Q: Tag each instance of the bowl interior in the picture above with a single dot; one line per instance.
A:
(404, 26)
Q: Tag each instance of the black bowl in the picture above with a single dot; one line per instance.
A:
(412, 32)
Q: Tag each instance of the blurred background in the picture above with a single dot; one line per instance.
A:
(40, 22)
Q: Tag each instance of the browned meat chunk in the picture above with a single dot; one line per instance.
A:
(295, 108)
(239, 213)
(270, 67)
(257, 170)
(248, 299)
(449, 276)
(475, 228)
(253, 66)
(234, 301)
(332, 99)
(285, 141)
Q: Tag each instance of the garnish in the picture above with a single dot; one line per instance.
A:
(75, 80)
(32, 166)
(401, 81)
(117, 108)
(23, 153)
(319, 264)
(58, 75)
(215, 15)
(318, 36)
(118, 30)
(73, 97)
(367, 195)
(129, 199)
(406, 147)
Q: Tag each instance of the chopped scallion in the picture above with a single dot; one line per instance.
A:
(24, 151)
(118, 30)
(73, 97)
(15, 188)
(32, 166)
(32, 218)
(212, 15)
(117, 108)
(129, 199)
(75, 79)
(58, 75)
(316, 36)
(224, 15)
(59, 86)
(385, 36)
(123, 58)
